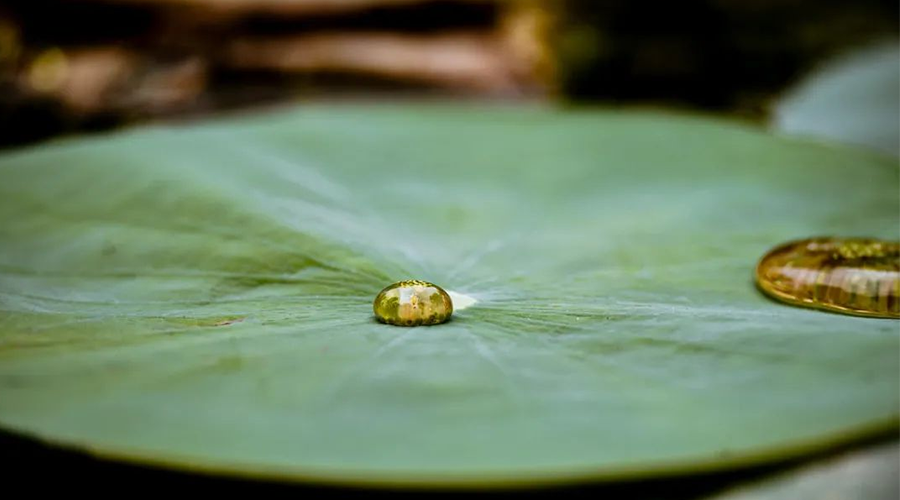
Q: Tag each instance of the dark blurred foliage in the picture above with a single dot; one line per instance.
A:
(724, 55)
(75, 65)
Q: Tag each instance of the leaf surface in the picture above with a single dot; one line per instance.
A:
(201, 296)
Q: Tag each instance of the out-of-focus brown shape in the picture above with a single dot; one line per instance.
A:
(10, 42)
(83, 79)
(473, 61)
(511, 57)
(288, 7)
(166, 88)
(122, 60)
(525, 33)
(112, 79)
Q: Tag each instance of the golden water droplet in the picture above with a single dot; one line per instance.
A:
(413, 303)
(851, 276)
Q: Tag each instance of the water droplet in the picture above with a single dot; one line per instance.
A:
(851, 276)
(413, 303)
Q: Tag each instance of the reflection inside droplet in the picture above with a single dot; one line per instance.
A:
(413, 303)
(851, 276)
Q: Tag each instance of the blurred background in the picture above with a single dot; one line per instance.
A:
(826, 68)
(70, 66)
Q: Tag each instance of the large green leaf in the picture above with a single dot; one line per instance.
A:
(200, 296)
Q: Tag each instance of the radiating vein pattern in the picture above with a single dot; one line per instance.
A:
(202, 295)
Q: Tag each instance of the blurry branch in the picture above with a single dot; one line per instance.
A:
(133, 59)
(112, 79)
(510, 58)
(466, 59)
(84, 80)
(471, 61)
(289, 7)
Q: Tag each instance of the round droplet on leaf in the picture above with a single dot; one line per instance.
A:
(851, 276)
(413, 303)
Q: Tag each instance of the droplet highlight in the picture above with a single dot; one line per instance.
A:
(461, 301)
(853, 276)
(413, 303)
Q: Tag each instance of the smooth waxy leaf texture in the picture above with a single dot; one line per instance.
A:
(201, 296)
